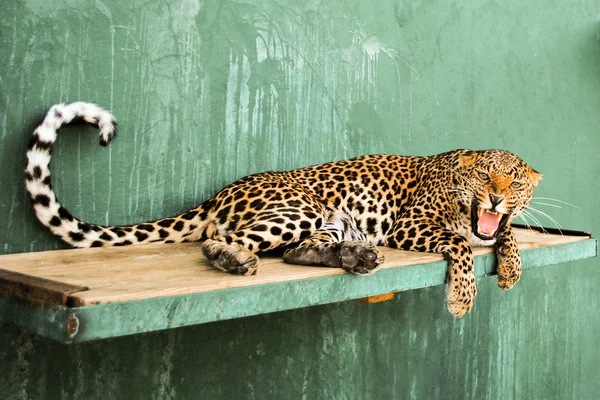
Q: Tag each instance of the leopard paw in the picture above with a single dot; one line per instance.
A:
(509, 271)
(359, 258)
(232, 258)
(460, 294)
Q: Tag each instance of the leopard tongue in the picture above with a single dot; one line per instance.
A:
(488, 222)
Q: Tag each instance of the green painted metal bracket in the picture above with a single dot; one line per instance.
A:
(81, 324)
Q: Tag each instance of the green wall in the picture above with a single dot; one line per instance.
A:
(208, 91)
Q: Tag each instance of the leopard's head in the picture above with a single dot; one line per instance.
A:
(496, 185)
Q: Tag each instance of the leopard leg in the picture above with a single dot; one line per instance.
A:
(509, 259)
(234, 251)
(258, 214)
(338, 244)
(420, 235)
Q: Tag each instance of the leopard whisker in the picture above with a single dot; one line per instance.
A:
(556, 200)
(545, 215)
(545, 204)
(522, 216)
(551, 199)
(554, 221)
(535, 220)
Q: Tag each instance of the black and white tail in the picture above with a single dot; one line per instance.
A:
(187, 226)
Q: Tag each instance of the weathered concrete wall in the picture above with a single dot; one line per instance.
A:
(208, 91)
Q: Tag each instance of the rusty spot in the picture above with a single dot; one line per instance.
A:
(72, 325)
(378, 298)
(169, 322)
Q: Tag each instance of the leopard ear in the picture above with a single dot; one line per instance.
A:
(466, 159)
(534, 176)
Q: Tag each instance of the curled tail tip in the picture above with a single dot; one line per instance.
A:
(66, 113)
(108, 132)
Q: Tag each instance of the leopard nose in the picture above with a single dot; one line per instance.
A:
(495, 199)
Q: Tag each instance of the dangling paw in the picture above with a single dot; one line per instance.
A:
(460, 294)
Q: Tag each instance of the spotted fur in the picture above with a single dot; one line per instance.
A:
(333, 214)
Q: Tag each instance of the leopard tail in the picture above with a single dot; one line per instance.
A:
(188, 226)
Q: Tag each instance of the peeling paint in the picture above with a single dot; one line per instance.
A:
(166, 388)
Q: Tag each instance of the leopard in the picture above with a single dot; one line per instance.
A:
(333, 215)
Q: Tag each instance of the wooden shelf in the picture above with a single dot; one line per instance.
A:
(88, 294)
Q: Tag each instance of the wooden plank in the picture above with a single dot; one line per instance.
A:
(36, 290)
(114, 319)
(138, 316)
(157, 270)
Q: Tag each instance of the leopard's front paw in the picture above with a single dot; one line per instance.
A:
(509, 267)
(460, 294)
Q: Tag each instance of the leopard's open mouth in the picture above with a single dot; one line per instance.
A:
(486, 223)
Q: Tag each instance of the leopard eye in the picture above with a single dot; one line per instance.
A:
(516, 185)
(483, 176)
